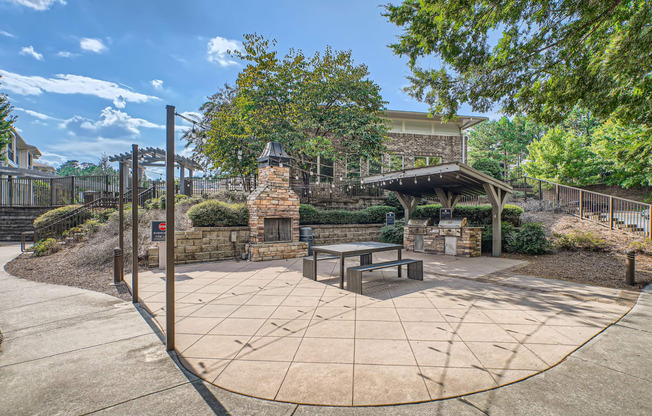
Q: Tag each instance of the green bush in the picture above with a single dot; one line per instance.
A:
(54, 214)
(214, 213)
(371, 215)
(579, 241)
(508, 233)
(45, 247)
(393, 233)
(478, 215)
(530, 239)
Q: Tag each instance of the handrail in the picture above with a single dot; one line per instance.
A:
(72, 219)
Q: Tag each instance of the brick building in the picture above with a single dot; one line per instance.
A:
(414, 140)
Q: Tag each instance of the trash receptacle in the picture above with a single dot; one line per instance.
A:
(305, 234)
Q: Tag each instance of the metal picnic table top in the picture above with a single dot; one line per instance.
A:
(351, 249)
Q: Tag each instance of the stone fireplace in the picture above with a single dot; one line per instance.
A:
(274, 210)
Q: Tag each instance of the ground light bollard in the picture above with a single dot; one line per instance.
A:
(118, 265)
(630, 268)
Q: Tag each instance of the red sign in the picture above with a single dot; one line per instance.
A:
(162, 226)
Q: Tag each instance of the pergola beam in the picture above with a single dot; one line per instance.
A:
(497, 198)
(409, 204)
(447, 198)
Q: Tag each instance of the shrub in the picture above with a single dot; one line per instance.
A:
(214, 213)
(488, 166)
(641, 247)
(579, 241)
(508, 233)
(478, 215)
(371, 215)
(393, 233)
(45, 247)
(54, 215)
(530, 239)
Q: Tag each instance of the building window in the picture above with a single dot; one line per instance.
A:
(375, 166)
(422, 161)
(395, 163)
(30, 160)
(11, 155)
(352, 167)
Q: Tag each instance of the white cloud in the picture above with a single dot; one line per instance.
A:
(69, 84)
(112, 124)
(66, 54)
(52, 159)
(36, 114)
(29, 51)
(119, 102)
(92, 45)
(92, 149)
(7, 34)
(37, 4)
(157, 84)
(218, 50)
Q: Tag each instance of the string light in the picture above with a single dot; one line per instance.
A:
(415, 180)
(428, 178)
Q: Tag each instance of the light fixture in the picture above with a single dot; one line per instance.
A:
(428, 178)
(440, 176)
(415, 180)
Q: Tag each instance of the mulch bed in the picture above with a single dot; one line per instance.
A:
(57, 269)
(594, 268)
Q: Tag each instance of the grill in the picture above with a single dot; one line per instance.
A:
(419, 222)
(453, 223)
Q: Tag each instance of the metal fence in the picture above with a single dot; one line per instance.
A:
(609, 211)
(52, 192)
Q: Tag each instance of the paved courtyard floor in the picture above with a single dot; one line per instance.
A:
(263, 330)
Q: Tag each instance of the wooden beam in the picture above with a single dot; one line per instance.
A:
(447, 198)
(408, 202)
(497, 198)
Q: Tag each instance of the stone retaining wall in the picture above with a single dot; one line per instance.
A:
(345, 233)
(213, 243)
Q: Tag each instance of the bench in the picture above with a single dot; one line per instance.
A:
(354, 274)
(307, 262)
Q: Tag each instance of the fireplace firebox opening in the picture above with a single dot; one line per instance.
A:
(278, 229)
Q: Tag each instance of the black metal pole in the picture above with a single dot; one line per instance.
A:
(121, 216)
(169, 231)
(134, 223)
(630, 268)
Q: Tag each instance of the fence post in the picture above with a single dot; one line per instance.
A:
(106, 185)
(611, 212)
(53, 197)
(540, 190)
(72, 190)
(10, 185)
(557, 193)
(581, 203)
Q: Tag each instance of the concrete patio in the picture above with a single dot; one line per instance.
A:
(263, 330)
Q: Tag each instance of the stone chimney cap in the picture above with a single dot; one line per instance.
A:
(273, 155)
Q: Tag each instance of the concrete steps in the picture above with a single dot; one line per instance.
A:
(16, 220)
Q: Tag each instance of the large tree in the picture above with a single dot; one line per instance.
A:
(504, 140)
(541, 57)
(323, 104)
(6, 123)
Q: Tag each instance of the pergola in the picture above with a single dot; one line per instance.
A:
(151, 156)
(448, 182)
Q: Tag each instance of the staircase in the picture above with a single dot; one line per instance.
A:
(15, 220)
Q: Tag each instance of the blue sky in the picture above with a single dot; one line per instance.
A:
(88, 77)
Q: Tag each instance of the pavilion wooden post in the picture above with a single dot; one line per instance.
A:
(447, 198)
(497, 198)
(409, 204)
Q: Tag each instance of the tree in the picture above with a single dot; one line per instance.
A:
(6, 123)
(320, 105)
(69, 168)
(562, 155)
(503, 140)
(488, 166)
(538, 57)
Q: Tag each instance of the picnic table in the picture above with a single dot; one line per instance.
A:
(353, 249)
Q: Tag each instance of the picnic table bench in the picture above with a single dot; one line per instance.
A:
(354, 274)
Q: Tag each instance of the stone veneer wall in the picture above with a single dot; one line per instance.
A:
(468, 245)
(204, 244)
(345, 233)
(212, 243)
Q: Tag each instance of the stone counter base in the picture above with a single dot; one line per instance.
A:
(469, 244)
(277, 251)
